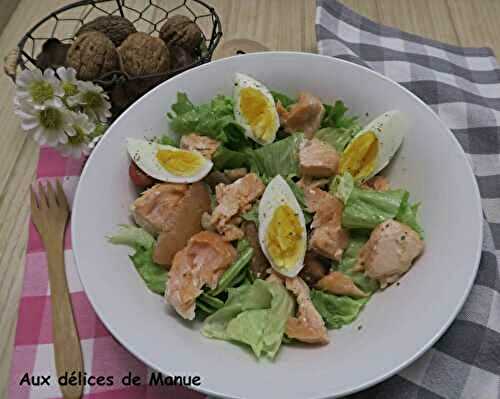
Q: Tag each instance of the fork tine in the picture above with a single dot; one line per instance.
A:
(42, 197)
(34, 203)
(61, 196)
(51, 195)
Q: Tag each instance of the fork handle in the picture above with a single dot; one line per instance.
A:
(67, 349)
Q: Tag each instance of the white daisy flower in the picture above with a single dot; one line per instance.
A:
(80, 133)
(69, 84)
(94, 101)
(39, 90)
(48, 125)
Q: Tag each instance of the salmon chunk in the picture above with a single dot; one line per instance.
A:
(203, 144)
(232, 200)
(318, 159)
(202, 262)
(328, 238)
(303, 116)
(377, 183)
(389, 252)
(173, 213)
(340, 284)
(308, 325)
(154, 207)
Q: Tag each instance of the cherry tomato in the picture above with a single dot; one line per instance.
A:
(138, 177)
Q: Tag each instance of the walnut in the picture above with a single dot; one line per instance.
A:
(180, 57)
(142, 54)
(179, 30)
(114, 27)
(53, 54)
(92, 54)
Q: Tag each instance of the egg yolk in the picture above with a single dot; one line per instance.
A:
(360, 156)
(284, 237)
(179, 162)
(258, 112)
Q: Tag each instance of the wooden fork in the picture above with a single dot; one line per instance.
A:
(49, 212)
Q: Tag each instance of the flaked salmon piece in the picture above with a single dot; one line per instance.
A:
(303, 116)
(202, 262)
(327, 210)
(313, 194)
(389, 252)
(317, 159)
(340, 284)
(231, 232)
(232, 200)
(206, 146)
(308, 325)
(328, 237)
(181, 222)
(330, 241)
(153, 208)
(377, 183)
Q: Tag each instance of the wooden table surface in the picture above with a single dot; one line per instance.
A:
(278, 24)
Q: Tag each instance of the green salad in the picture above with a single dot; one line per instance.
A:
(265, 215)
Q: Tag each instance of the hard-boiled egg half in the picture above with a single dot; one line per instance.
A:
(373, 147)
(167, 163)
(254, 109)
(282, 228)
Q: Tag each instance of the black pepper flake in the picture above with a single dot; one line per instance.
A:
(360, 327)
(398, 283)
(403, 238)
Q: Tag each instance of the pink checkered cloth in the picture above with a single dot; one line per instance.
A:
(34, 349)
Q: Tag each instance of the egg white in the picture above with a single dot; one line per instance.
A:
(143, 153)
(242, 81)
(278, 193)
(390, 129)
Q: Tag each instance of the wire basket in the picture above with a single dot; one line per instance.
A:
(146, 15)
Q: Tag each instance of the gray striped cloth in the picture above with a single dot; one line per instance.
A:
(462, 85)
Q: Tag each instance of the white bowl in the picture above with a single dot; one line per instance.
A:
(398, 324)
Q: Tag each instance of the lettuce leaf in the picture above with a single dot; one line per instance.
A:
(365, 209)
(224, 158)
(341, 186)
(215, 120)
(349, 259)
(255, 315)
(252, 215)
(299, 194)
(154, 275)
(132, 236)
(285, 100)
(280, 157)
(337, 137)
(165, 139)
(337, 311)
(408, 214)
(336, 116)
